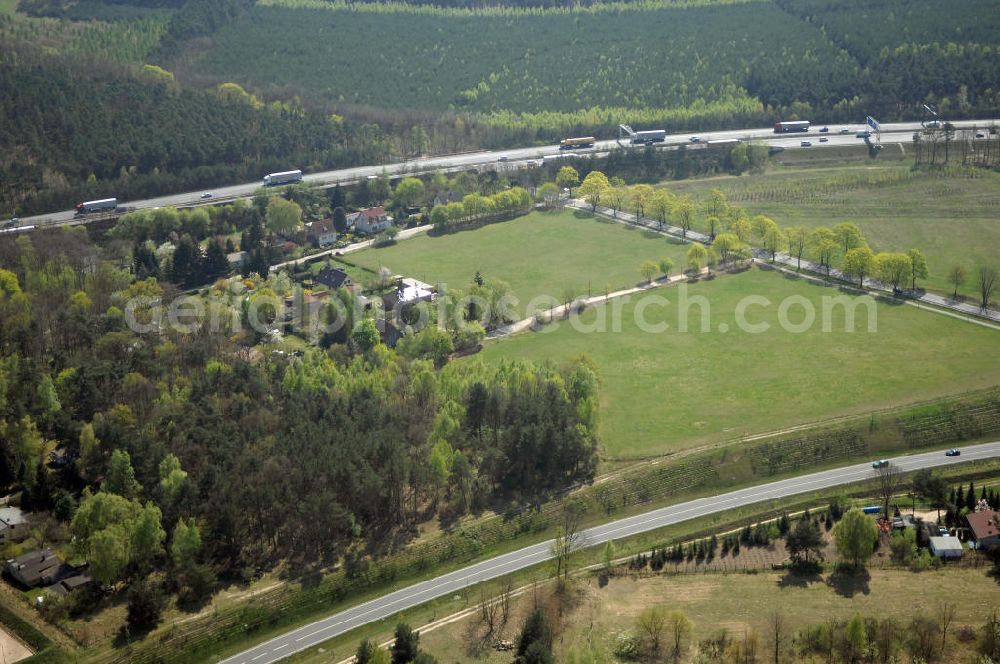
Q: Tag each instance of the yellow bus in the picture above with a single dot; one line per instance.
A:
(576, 143)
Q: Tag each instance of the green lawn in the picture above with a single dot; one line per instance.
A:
(667, 391)
(953, 220)
(538, 254)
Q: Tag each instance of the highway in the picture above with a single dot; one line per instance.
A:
(383, 607)
(891, 133)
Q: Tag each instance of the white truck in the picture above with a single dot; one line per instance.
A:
(284, 177)
(102, 205)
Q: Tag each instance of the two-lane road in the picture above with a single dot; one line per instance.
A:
(315, 633)
(891, 133)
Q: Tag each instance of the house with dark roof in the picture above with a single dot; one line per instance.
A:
(985, 527)
(71, 584)
(36, 568)
(321, 233)
(334, 278)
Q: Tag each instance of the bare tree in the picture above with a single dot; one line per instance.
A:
(489, 610)
(923, 637)
(946, 616)
(680, 630)
(888, 479)
(987, 279)
(506, 594)
(778, 635)
(652, 623)
(569, 536)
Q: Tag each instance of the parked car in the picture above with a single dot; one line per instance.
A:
(207, 194)
(806, 144)
(953, 452)
(824, 139)
(881, 463)
(823, 130)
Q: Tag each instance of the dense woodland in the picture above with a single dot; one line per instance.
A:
(166, 116)
(189, 452)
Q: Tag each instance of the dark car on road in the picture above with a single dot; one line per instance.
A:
(881, 463)
(953, 452)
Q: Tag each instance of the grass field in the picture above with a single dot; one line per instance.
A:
(538, 254)
(739, 603)
(953, 220)
(669, 391)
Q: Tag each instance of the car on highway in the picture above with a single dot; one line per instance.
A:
(823, 130)
(845, 130)
(864, 133)
(806, 144)
(824, 139)
(881, 463)
(503, 157)
(953, 452)
(207, 194)
(980, 134)
(11, 223)
(695, 139)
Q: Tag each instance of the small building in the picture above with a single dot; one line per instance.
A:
(370, 221)
(946, 547)
(334, 278)
(238, 259)
(13, 525)
(36, 568)
(985, 527)
(71, 584)
(321, 233)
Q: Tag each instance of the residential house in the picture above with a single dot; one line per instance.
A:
(370, 221)
(238, 259)
(408, 293)
(13, 525)
(321, 233)
(946, 547)
(334, 278)
(36, 568)
(985, 528)
(445, 197)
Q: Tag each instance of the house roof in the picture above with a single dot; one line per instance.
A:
(984, 524)
(333, 277)
(946, 544)
(35, 566)
(321, 227)
(11, 516)
(373, 213)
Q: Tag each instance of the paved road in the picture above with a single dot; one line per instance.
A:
(891, 133)
(315, 633)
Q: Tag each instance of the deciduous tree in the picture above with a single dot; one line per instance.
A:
(855, 535)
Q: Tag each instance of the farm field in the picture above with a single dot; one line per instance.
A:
(662, 392)
(738, 603)
(954, 220)
(542, 253)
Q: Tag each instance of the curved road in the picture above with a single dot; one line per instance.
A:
(315, 633)
(891, 133)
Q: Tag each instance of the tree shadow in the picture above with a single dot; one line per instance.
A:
(848, 583)
(801, 577)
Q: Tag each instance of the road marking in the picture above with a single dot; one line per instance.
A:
(258, 657)
(283, 645)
